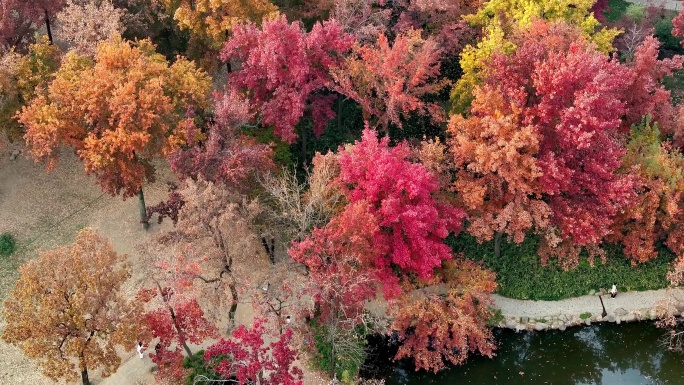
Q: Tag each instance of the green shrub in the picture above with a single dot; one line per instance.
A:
(521, 275)
(496, 318)
(350, 351)
(198, 367)
(617, 8)
(7, 245)
(635, 12)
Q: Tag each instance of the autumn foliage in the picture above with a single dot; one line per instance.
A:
(445, 328)
(656, 213)
(399, 195)
(390, 80)
(68, 311)
(284, 70)
(339, 258)
(225, 156)
(248, 359)
(19, 19)
(214, 19)
(501, 18)
(548, 133)
(544, 147)
(118, 112)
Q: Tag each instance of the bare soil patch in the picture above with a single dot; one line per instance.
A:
(43, 210)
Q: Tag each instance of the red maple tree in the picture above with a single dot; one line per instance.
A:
(283, 69)
(389, 81)
(20, 18)
(440, 328)
(399, 194)
(174, 316)
(226, 156)
(248, 360)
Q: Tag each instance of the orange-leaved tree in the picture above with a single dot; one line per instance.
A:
(118, 112)
(440, 328)
(68, 312)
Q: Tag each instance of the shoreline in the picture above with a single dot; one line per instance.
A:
(585, 310)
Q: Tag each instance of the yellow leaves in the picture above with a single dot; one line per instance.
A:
(500, 18)
(473, 61)
(62, 298)
(213, 19)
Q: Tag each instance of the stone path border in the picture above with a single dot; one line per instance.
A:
(543, 315)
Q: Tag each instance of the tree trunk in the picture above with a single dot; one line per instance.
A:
(84, 377)
(340, 100)
(233, 306)
(270, 249)
(304, 146)
(47, 24)
(143, 210)
(497, 244)
(181, 334)
(333, 359)
(179, 331)
(229, 69)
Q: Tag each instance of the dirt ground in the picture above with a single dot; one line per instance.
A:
(43, 210)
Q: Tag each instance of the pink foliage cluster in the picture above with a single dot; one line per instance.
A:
(178, 323)
(678, 23)
(226, 156)
(399, 194)
(246, 358)
(282, 66)
(392, 220)
(339, 259)
(645, 94)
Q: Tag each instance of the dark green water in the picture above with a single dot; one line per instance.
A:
(603, 355)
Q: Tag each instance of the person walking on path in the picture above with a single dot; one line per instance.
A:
(613, 291)
(140, 349)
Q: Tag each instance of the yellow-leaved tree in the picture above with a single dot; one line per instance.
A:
(118, 111)
(499, 18)
(214, 19)
(67, 310)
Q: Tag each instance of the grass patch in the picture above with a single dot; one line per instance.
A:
(585, 316)
(7, 245)
(521, 275)
(496, 318)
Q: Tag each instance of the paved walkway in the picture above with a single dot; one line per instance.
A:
(629, 301)
(674, 5)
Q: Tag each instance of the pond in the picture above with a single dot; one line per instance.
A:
(608, 354)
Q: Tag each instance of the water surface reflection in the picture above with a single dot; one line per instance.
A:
(594, 355)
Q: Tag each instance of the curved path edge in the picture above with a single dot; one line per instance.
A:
(542, 315)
